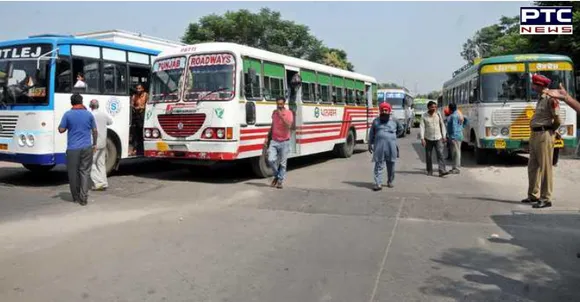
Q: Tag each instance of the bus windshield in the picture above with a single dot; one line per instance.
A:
(24, 85)
(558, 73)
(396, 99)
(210, 77)
(421, 106)
(165, 80)
(504, 86)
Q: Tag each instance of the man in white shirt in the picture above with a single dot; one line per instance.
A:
(99, 169)
(433, 135)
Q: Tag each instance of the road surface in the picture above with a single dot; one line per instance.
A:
(164, 233)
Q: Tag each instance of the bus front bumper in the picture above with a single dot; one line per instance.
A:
(518, 144)
(34, 159)
(192, 150)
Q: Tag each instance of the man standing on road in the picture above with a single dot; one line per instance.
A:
(544, 124)
(455, 134)
(383, 145)
(433, 135)
(99, 169)
(79, 123)
(278, 143)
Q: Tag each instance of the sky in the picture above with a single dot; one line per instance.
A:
(417, 44)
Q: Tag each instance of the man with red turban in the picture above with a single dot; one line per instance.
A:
(383, 145)
(544, 124)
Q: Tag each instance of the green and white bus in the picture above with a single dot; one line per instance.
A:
(496, 97)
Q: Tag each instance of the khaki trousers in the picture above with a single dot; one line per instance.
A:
(99, 169)
(540, 176)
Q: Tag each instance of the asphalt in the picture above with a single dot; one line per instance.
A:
(166, 233)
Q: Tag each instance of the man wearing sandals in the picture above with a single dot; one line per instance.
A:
(544, 124)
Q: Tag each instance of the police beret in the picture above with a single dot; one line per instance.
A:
(541, 80)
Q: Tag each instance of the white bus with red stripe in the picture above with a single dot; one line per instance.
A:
(213, 102)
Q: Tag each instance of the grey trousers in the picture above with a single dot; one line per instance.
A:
(438, 146)
(456, 152)
(78, 165)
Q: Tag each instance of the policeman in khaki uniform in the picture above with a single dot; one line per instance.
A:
(544, 124)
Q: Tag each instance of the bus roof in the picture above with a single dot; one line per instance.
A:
(403, 90)
(420, 101)
(263, 55)
(63, 40)
(506, 59)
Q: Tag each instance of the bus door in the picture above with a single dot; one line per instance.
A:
(294, 98)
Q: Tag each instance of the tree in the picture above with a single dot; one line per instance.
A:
(266, 30)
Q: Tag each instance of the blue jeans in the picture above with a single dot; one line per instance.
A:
(278, 157)
(379, 168)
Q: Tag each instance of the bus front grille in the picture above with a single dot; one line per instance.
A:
(181, 125)
(8, 125)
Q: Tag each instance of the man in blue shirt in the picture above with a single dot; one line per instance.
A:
(79, 123)
(455, 133)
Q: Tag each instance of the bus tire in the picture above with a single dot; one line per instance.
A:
(38, 168)
(346, 149)
(113, 154)
(260, 167)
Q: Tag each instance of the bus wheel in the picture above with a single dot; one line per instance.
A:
(112, 156)
(260, 167)
(38, 168)
(346, 149)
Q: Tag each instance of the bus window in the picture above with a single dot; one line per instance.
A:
(63, 75)
(115, 78)
(323, 93)
(308, 92)
(504, 86)
(138, 75)
(89, 68)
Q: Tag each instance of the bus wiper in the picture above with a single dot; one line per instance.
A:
(212, 92)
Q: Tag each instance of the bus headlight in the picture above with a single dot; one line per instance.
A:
(505, 131)
(562, 130)
(21, 140)
(30, 140)
(155, 133)
(220, 133)
(208, 133)
(494, 131)
(147, 133)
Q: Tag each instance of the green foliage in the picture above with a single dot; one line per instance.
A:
(433, 95)
(503, 38)
(265, 30)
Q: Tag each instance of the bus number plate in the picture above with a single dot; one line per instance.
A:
(3, 147)
(559, 143)
(500, 144)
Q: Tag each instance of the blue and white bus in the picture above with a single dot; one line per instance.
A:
(401, 101)
(37, 78)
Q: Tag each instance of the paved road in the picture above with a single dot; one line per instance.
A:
(164, 233)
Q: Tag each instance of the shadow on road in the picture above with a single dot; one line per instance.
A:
(492, 199)
(542, 267)
(468, 159)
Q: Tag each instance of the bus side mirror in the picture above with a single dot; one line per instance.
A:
(252, 75)
(250, 113)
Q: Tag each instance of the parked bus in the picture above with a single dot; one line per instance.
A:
(213, 102)
(496, 97)
(37, 79)
(419, 108)
(401, 101)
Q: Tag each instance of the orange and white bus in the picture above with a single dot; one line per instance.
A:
(213, 102)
